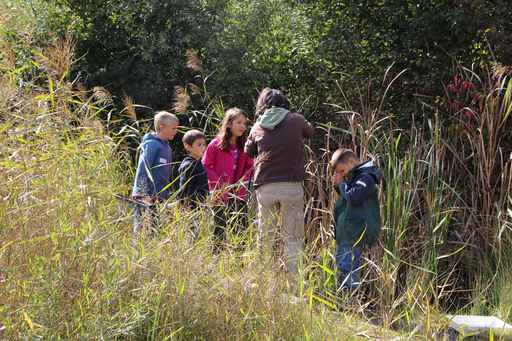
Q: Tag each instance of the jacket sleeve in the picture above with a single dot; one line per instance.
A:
(307, 129)
(150, 152)
(186, 173)
(251, 147)
(362, 188)
(156, 169)
(209, 160)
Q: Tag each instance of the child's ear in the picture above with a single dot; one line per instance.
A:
(187, 147)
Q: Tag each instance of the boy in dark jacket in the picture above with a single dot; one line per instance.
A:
(356, 213)
(193, 178)
(153, 174)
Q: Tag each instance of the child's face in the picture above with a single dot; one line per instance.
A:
(168, 133)
(344, 168)
(238, 126)
(196, 150)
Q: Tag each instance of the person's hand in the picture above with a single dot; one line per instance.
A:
(337, 178)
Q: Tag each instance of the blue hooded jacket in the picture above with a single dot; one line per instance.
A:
(154, 168)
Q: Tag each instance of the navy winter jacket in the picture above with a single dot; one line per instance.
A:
(357, 211)
(193, 180)
(154, 168)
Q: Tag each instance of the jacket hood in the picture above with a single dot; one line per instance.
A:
(272, 117)
(152, 136)
(369, 167)
(187, 161)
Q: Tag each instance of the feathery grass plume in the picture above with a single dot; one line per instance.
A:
(193, 62)
(102, 95)
(128, 106)
(498, 70)
(194, 89)
(181, 100)
(57, 59)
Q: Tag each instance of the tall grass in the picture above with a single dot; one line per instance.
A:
(70, 269)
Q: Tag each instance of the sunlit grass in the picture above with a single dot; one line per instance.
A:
(71, 268)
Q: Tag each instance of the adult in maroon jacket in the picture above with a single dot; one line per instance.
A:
(276, 139)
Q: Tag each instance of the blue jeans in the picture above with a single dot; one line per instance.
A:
(149, 215)
(347, 261)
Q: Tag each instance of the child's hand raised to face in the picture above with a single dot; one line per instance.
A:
(337, 178)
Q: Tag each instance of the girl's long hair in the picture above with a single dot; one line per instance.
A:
(225, 134)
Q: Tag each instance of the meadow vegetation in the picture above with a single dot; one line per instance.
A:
(70, 267)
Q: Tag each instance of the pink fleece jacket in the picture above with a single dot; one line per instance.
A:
(222, 168)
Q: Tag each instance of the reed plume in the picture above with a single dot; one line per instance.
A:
(129, 107)
(193, 62)
(181, 100)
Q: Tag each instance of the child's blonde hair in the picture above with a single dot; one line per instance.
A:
(225, 132)
(341, 156)
(164, 118)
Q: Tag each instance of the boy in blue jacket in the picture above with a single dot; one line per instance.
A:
(356, 214)
(153, 174)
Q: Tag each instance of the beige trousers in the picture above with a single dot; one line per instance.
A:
(281, 213)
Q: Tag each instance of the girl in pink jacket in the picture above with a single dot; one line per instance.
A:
(227, 164)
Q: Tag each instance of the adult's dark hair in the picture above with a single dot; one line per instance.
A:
(271, 98)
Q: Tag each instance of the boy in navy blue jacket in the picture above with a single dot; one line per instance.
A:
(356, 214)
(193, 179)
(153, 174)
